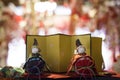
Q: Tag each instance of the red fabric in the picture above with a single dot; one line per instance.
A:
(85, 66)
(84, 61)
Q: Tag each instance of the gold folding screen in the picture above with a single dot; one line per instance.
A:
(58, 49)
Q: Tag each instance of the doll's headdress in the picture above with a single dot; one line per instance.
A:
(78, 43)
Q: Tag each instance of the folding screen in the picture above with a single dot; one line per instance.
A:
(58, 49)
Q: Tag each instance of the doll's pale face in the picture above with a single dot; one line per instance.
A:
(35, 50)
(81, 49)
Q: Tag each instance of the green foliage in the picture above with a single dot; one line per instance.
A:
(8, 72)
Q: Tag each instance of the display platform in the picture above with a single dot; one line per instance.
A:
(63, 76)
(71, 76)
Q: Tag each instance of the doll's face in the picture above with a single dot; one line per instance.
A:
(81, 49)
(35, 50)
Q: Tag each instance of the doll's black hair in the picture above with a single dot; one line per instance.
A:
(78, 43)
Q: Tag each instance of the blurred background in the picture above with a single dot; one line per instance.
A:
(19, 18)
